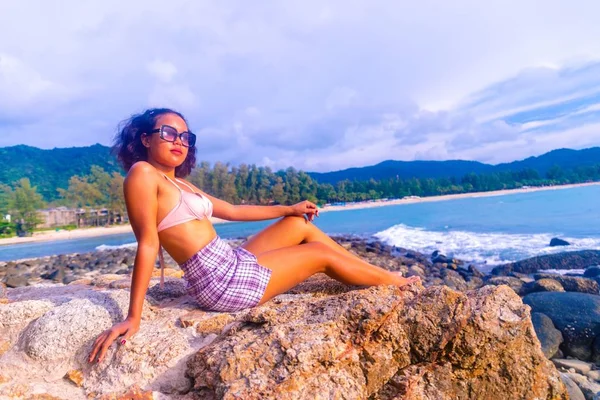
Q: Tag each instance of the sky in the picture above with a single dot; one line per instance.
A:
(317, 85)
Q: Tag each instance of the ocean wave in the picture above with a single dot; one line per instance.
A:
(121, 246)
(481, 248)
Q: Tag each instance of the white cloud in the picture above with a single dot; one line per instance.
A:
(318, 85)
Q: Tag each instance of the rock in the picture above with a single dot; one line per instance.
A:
(592, 272)
(379, 342)
(572, 283)
(558, 242)
(440, 258)
(17, 313)
(415, 270)
(574, 392)
(3, 293)
(542, 285)
(595, 375)
(514, 283)
(580, 367)
(475, 271)
(14, 281)
(4, 346)
(60, 331)
(550, 337)
(588, 388)
(453, 279)
(576, 315)
(566, 260)
(75, 376)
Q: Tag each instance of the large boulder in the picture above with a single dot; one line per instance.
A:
(566, 260)
(381, 342)
(319, 340)
(576, 315)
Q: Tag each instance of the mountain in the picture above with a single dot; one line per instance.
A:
(565, 158)
(51, 169)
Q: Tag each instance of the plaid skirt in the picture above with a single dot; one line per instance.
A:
(225, 279)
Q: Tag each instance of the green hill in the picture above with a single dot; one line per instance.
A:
(564, 158)
(51, 169)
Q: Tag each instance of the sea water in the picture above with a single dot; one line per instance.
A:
(486, 230)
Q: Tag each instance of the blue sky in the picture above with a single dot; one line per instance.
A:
(318, 85)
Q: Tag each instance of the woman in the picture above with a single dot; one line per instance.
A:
(157, 150)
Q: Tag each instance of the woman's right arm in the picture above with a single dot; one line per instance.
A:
(141, 196)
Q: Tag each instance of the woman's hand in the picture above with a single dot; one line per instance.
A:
(126, 328)
(307, 209)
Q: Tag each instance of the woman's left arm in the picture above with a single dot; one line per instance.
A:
(225, 210)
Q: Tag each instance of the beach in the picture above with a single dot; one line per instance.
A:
(381, 203)
(51, 235)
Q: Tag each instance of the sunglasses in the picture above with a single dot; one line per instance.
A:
(170, 134)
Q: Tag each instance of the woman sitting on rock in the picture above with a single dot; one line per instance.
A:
(158, 150)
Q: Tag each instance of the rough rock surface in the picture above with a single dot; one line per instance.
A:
(381, 342)
(318, 339)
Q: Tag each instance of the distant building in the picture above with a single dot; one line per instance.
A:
(58, 216)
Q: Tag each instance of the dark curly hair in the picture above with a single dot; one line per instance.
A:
(128, 147)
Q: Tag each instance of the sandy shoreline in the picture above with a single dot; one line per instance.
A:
(445, 197)
(113, 230)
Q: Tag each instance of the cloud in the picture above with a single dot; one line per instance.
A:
(315, 85)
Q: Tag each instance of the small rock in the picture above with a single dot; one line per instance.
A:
(75, 376)
(595, 375)
(4, 346)
(592, 272)
(578, 366)
(15, 281)
(574, 392)
(542, 285)
(558, 242)
(550, 337)
(588, 388)
(3, 293)
(514, 283)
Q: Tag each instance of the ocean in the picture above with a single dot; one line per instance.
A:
(484, 230)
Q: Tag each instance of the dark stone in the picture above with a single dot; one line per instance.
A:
(558, 242)
(475, 271)
(592, 271)
(571, 283)
(576, 315)
(550, 337)
(440, 258)
(566, 260)
(57, 275)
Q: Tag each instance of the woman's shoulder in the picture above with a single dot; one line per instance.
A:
(142, 170)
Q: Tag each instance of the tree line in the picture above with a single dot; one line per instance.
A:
(249, 184)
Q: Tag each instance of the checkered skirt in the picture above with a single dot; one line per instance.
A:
(225, 279)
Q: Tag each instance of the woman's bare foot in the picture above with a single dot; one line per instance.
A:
(402, 281)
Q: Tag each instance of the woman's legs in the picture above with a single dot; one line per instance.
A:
(290, 231)
(294, 264)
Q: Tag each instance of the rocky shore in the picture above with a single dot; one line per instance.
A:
(463, 334)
